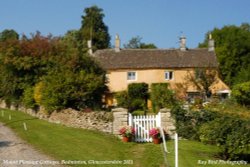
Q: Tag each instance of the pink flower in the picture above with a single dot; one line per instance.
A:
(127, 131)
(155, 133)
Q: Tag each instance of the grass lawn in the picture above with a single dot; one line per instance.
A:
(64, 143)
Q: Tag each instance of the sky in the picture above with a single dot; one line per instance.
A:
(161, 22)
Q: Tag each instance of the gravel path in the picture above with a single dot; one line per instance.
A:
(14, 152)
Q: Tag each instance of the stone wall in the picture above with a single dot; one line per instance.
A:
(109, 122)
(120, 119)
(101, 120)
(167, 122)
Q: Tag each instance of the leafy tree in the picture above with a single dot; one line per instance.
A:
(202, 79)
(8, 35)
(65, 88)
(72, 38)
(135, 43)
(53, 70)
(243, 75)
(93, 28)
(22, 63)
(232, 50)
(241, 92)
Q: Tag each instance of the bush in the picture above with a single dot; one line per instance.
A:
(28, 98)
(231, 134)
(138, 90)
(137, 96)
(67, 89)
(122, 99)
(189, 122)
(161, 96)
(241, 92)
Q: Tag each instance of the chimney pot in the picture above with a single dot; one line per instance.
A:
(117, 43)
(183, 43)
(210, 43)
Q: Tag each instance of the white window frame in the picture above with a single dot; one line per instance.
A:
(167, 75)
(129, 77)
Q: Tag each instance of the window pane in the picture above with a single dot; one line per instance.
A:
(131, 76)
(169, 75)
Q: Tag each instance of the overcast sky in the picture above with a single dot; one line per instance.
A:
(157, 21)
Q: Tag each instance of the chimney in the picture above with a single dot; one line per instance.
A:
(117, 43)
(183, 43)
(90, 47)
(210, 43)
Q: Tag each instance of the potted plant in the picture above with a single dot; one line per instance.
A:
(156, 135)
(127, 132)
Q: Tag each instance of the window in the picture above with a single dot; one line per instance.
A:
(131, 76)
(169, 75)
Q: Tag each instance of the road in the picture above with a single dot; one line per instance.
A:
(14, 152)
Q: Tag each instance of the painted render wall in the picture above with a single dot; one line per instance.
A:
(117, 79)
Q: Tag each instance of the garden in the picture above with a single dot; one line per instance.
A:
(64, 143)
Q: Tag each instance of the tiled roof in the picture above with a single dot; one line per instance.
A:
(155, 58)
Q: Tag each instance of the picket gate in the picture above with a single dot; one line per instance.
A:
(143, 124)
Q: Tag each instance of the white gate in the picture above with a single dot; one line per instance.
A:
(143, 124)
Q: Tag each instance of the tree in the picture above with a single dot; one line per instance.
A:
(241, 92)
(202, 79)
(232, 50)
(22, 63)
(93, 28)
(8, 35)
(65, 88)
(135, 43)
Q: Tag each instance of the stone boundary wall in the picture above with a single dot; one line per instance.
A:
(100, 120)
(108, 122)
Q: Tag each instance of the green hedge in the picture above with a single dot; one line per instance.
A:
(135, 98)
(161, 96)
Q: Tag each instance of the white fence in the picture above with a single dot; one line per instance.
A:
(143, 124)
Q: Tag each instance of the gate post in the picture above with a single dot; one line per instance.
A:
(167, 122)
(120, 119)
(130, 119)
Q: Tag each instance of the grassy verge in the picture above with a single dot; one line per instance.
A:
(64, 143)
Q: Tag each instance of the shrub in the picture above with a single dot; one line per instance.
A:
(38, 92)
(68, 89)
(137, 96)
(138, 90)
(122, 99)
(189, 122)
(231, 134)
(241, 92)
(28, 98)
(161, 96)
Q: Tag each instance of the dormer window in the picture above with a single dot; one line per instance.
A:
(169, 75)
(131, 76)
